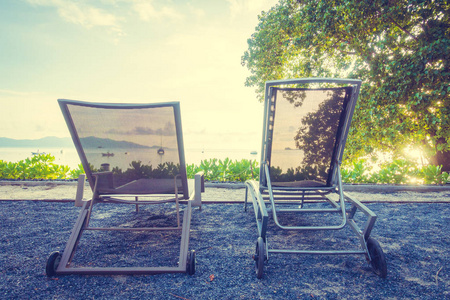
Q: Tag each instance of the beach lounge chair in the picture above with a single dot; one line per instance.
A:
(306, 122)
(131, 154)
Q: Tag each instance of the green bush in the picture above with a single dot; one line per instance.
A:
(433, 175)
(358, 173)
(396, 172)
(225, 170)
(399, 171)
(37, 167)
(75, 173)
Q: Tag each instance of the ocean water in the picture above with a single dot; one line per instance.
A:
(69, 156)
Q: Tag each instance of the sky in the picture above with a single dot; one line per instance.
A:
(132, 51)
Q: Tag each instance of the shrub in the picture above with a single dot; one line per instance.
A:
(39, 166)
(399, 171)
(225, 170)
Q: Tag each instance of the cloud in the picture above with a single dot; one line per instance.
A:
(240, 7)
(168, 130)
(236, 7)
(89, 14)
(147, 11)
(83, 13)
(16, 93)
(196, 12)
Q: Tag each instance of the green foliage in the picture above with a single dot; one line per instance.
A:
(399, 49)
(225, 170)
(211, 169)
(433, 175)
(74, 173)
(357, 174)
(37, 167)
(42, 167)
(396, 172)
(244, 170)
(191, 170)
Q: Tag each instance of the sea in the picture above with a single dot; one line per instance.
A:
(121, 159)
(69, 156)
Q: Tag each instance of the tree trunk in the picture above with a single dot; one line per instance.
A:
(441, 157)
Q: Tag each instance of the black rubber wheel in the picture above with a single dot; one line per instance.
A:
(52, 263)
(190, 265)
(259, 257)
(378, 260)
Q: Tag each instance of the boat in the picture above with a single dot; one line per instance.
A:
(161, 150)
(254, 152)
(108, 154)
(38, 153)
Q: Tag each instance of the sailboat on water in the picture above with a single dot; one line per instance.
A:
(161, 149)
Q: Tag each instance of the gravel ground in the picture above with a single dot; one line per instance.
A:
(415, 238)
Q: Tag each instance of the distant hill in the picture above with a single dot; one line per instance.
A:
(95, 142)
(55, 142)
(46, 142)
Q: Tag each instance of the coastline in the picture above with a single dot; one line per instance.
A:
(65, 191)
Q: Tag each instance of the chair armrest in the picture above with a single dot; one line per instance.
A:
(80, 190)
(201, 177)
(199, 188)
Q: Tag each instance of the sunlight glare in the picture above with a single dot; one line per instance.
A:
(415, 155)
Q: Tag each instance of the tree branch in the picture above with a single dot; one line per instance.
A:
(403, 29)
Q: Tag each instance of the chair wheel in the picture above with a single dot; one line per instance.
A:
(190, 265)
(377, 258)
(53, 263)
(259, 257)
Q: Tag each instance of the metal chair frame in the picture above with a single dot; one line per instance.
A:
(60, 264)
(263, 193)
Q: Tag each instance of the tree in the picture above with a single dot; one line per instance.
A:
(399, 48)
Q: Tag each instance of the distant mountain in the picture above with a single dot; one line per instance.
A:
(55, 142)
(46, 142)
(95, 142)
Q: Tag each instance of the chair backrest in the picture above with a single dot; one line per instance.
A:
(306, 123)
(133, 141)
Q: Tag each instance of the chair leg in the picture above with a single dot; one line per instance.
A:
(246, 197)
(89, 213)
(178, 210)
